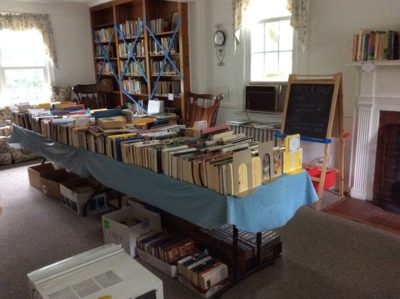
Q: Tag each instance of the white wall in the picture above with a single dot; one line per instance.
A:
(329, 47)
(71, 28)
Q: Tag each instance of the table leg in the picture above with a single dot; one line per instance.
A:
(259, 237)
(235, 243)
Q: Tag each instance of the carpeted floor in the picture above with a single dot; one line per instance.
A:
(324, 256)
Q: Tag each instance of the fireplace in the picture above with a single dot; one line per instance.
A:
(375, 164)
(386, 188)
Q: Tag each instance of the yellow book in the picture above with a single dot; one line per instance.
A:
(293, 155)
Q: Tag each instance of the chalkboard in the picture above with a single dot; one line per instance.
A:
(309, 109)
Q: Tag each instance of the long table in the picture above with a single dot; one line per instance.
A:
(270, 206)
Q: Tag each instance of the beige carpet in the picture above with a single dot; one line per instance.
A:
(324, 256)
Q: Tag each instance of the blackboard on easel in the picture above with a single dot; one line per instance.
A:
(310, 106)
(314, 109)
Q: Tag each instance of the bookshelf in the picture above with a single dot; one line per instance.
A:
(151, 71)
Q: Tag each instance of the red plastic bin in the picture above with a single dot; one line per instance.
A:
(315, 171)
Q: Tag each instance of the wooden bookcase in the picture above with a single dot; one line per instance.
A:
(103, 19)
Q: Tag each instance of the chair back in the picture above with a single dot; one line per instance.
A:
(202, 107)
(91, 95)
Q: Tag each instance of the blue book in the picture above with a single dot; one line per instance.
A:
(107, 113)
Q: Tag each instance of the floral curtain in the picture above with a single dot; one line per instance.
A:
(298, 9)
(299, 19)
(26, 21)
(239, 8)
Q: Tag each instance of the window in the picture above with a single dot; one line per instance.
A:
(24, 69)
(271, 40)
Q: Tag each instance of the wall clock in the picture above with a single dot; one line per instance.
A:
(219, 38)
(219, 43)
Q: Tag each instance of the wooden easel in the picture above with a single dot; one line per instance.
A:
(330, 124)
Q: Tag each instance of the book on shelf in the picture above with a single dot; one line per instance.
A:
(129, 28)
(104, 34)
(158, 25)
(100, 52)
(168, 87)
(370, 45)
(163, 45)
(158, 67)
(124, 49)
(134, 86)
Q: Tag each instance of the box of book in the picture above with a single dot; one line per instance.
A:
(205, 294)
(163, 250)
(162, 266)
(126, 225)
(203, 273)
(35, 174)
(51, 182)
(80, 195)
(219, 243)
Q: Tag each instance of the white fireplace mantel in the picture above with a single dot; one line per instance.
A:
(378, 89)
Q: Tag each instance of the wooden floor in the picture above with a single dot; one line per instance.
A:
(365, 212)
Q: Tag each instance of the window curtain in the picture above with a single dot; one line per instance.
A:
(299, 19)
(26, 21)
(239, 9)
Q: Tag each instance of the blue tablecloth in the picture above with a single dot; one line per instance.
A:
(270, 206)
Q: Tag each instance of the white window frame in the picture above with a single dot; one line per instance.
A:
(48, 75)
(299, 58)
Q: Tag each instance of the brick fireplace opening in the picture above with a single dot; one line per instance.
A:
(386, 188)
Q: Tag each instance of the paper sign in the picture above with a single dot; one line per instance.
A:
(170, 97)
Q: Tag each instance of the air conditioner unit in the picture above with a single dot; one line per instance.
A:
(265, 98)
(103, 272)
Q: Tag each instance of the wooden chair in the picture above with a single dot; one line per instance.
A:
(92, 96)
(202, 107)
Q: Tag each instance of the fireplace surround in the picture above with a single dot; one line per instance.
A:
(378, 90)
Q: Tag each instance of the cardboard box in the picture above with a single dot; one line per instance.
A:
(170, 270)
(115, 231)
(35, 174)
(51, 182)
(76, 193)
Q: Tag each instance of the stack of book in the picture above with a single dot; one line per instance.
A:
(112, 122)
(68, 108)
